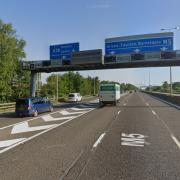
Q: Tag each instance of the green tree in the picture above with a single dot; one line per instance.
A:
(165, 86)
(11, 53)
(176, 87)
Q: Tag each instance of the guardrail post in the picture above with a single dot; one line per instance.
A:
(33, 84)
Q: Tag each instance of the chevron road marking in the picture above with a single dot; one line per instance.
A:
(42, 132)
(48, 118)
(64, 112)
(10, 142)
(24, 127)
(78, 109)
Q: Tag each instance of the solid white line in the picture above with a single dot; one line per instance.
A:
(99, 140)
(119, 112)
(176, 141)
(154, 112)
(36, 135)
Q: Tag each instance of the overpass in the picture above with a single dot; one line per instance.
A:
(100, 62)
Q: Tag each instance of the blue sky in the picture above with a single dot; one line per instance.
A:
(45, 22)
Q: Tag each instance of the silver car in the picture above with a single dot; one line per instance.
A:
(74, 97)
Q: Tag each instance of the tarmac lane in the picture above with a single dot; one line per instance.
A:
(137, 146)
(51, 153)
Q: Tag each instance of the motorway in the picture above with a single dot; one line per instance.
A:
(137, 140)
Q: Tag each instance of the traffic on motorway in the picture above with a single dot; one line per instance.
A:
(89, 90)
(138, 132)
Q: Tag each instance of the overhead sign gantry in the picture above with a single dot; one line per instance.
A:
(148, 50)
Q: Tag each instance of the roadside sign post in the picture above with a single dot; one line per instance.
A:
(33, 84)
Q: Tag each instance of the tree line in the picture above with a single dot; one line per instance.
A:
(72, 82)
(165, 87)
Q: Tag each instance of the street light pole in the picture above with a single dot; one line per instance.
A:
(94, 86)
(170, 70)
(171, 82)
(149, 80)
(57, 88)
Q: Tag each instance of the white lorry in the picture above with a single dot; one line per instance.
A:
(109, 93)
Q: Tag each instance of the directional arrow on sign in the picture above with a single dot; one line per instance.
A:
(136, 50)
(10, 142)
(164, 48)
(48, 118)
(112, 52)
(24, 127)
(64, 112)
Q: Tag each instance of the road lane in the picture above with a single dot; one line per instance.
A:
(124, 142)
(137, 146)
(50, 155)
(167, 114)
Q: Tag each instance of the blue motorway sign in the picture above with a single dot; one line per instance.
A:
(63, 51)
(145, 44)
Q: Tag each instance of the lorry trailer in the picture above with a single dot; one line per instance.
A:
(109, 93)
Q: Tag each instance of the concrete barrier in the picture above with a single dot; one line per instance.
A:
(174, 98)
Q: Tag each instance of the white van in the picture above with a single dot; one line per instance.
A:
(109, 93)
(74, 97)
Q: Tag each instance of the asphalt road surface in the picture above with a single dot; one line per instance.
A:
(136, 140)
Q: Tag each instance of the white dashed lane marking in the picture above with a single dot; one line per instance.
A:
(176, 141)
(154, 113)
(99, 140)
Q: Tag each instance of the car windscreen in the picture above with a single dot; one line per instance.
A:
(107, 88)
